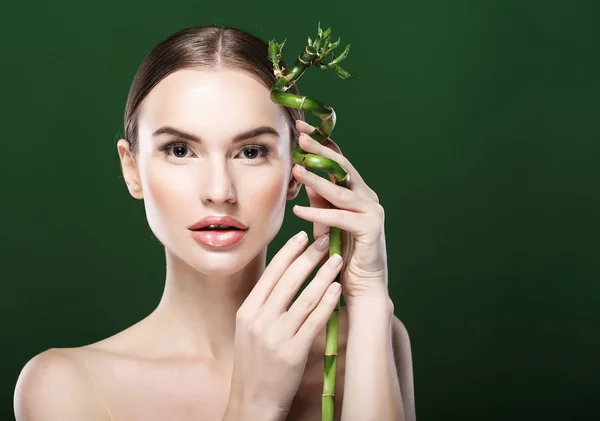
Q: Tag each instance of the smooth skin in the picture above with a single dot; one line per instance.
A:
(272, 341)
(177, 363)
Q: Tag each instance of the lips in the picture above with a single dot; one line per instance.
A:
(226, 220)
(218, 239)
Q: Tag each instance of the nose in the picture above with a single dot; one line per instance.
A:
(217, 186)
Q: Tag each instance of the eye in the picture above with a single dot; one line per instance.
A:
(264, 149)
(180, 150)
(175, 146)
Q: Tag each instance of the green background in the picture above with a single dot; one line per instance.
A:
(476, 122)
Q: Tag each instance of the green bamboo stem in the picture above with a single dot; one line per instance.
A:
(314, 55)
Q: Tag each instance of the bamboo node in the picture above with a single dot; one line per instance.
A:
(329, 355)
(302, 102)
(302, 61)
(328, 116)
(328, 394)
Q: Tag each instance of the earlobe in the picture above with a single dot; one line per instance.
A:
(129, 169)
(293, 188)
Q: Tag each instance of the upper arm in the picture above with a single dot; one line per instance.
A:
(50, 388)
(403, 359)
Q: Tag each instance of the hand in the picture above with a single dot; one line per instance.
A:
(272, 344)
(359, 214)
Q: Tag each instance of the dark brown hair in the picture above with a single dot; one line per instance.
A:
(207, 46)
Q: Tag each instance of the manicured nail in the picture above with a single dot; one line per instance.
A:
(334, 261)
(334, 288)
(300, 237)
(323, 242)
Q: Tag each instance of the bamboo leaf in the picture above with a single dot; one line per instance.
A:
(335, 44)
(281, 46)
(327, 32)
(273, 51)
(341, 56)
(332, 47)
(342, 73)
(325, 41)
(319, 30)
(309, 41)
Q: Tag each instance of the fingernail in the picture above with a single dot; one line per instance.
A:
(334, 288)
(334, 261)
(300, 237)
(323, 242)
(300, 168)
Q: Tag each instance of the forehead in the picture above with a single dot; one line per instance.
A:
(212, 102)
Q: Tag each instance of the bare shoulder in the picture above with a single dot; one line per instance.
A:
(51, 386)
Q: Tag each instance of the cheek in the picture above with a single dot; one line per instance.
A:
(165, 197)
(162, 188)
(270, 193)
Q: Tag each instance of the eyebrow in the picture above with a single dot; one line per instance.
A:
(237, 138)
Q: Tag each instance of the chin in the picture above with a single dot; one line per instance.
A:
(219, 267)
(218, 262)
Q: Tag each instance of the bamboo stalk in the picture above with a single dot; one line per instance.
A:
(314, 55)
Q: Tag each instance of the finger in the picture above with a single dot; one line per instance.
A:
(317, 201)
(295, 317)
(329, 149)
(293, 278)
(338, 196)
(359, 224)
(317, 320)
(273, 272)
(303, 127)
(319, 230)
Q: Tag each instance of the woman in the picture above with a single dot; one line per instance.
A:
(226, 342)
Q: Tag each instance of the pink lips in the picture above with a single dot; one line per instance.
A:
(218, 238)
(218, 220)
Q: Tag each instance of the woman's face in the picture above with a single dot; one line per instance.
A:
(182, 181)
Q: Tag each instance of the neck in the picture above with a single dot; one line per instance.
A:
(197, 312)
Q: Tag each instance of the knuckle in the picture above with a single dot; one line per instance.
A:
(271, 343)
(375, 197)
(345, 195)
(343, 161)
(307, 304)
(255, 330)
(377, 212)
(241, 316)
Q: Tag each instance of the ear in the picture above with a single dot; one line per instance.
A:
(293, 187)
(130, 170)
